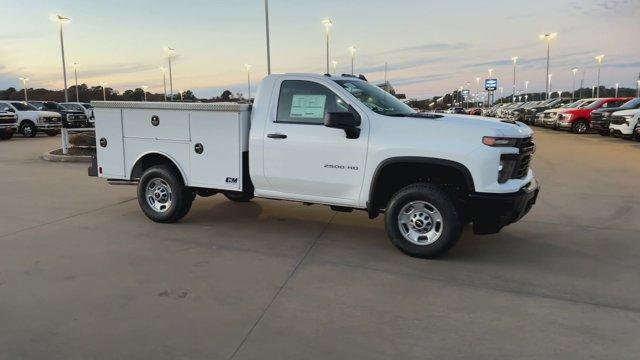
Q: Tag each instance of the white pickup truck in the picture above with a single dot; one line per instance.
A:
(333, 140)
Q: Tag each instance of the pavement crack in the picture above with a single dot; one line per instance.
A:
(284, 284)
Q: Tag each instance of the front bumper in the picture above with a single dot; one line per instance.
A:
(600, 125)
(492, 212)
(49, 126)
(563, 125)
(9, 128)
(550, 123)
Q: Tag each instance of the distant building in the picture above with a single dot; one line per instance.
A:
(386, 86)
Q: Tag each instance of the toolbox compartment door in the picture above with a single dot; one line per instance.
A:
(109, 143)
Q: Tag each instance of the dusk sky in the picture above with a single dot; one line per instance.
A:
(431, 46)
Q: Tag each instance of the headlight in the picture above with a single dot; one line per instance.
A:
(499, 141)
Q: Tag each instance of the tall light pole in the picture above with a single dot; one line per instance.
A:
(248, 68)
(104, 91)
(335, 64)
(164, 81)
(385, 72)
(24, 86)
(599, 60)
(638, 88)
(617, 85)
(477, 85)
(327, 23)
(352, 51)
(170, 51)
(61, 21)
(526, 90)
(266, 18)
(501, 92)
(513, 94)
(75, 72)
(548, 37)
(181, 95)
(573, 93)
(144, 91)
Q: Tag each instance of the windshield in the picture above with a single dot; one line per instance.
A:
(23, 107)
(375, 98)
(574, 104)
(52, 106)
(631, 104)
(590, 104)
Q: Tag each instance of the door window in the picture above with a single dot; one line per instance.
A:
(307, 102)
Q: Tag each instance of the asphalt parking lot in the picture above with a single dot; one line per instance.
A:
(83, 274)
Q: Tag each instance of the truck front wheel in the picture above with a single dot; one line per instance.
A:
(421, 220)
(162, 195)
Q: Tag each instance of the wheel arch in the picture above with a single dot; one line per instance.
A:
(378, 195)
(152, 158)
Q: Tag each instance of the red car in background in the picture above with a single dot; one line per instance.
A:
(579, 120)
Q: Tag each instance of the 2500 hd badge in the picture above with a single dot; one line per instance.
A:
(342, 167)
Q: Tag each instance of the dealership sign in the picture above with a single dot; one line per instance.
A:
(490, 84)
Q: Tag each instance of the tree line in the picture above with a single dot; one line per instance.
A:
(88, 93)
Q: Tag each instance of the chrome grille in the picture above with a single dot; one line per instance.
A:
(618, 120)
(527, 148)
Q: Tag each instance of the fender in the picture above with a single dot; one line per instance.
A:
(420, 160)
(169, 157)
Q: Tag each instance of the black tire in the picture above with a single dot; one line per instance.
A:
(603, 132)
(580, 127)
(239, 196)
(28, 129)
(51, 132)
(181, 197)
(6, 135)
(450, 227)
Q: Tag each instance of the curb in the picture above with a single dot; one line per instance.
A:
(66, 158)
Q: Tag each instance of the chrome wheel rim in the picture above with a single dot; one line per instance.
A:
(158, 195)
(26, 130)
(582, 127)
(420, 223)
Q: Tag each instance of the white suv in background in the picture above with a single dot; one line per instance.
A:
(623, 123)
(84, 107)
(32, 120)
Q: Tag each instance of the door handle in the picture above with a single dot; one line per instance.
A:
(276, 136)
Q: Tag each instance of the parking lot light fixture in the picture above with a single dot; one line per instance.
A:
(104, 91)
(573, 92)
(513, 94)
(548, 37)
(181, 95)
(490, 72)
(617, 85)
(144, 91)
(164, 81)
(549, 83)
(248, 68)
(61, 21)
(170, 52)
(352, 52)
(501, 94)
(327, 23)
(24, 86)
(335, 64)
(599, 59)
(75, 73)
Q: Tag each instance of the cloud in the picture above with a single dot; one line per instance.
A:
(431, 48)
(420, 79)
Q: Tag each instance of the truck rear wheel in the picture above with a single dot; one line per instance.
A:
(28, 129)
(421, 220)
(162, 195)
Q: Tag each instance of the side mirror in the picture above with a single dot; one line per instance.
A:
(344, 120)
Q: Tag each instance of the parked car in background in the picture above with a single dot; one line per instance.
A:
(578, 120)
(518, 113)
(84, 107)
(601, 118)
(474, 111)
(8, 124)
(456, 110)
(531, 112)
(636, 132)
(73, 118)
(32, 120)
(623, 123)
(549, 118)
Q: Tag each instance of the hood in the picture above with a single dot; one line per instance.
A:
(490, 126)
(626, 112)
(48, 113)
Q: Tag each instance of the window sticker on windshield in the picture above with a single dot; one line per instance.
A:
(308, 106)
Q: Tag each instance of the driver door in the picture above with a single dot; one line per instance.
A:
(303, 159)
